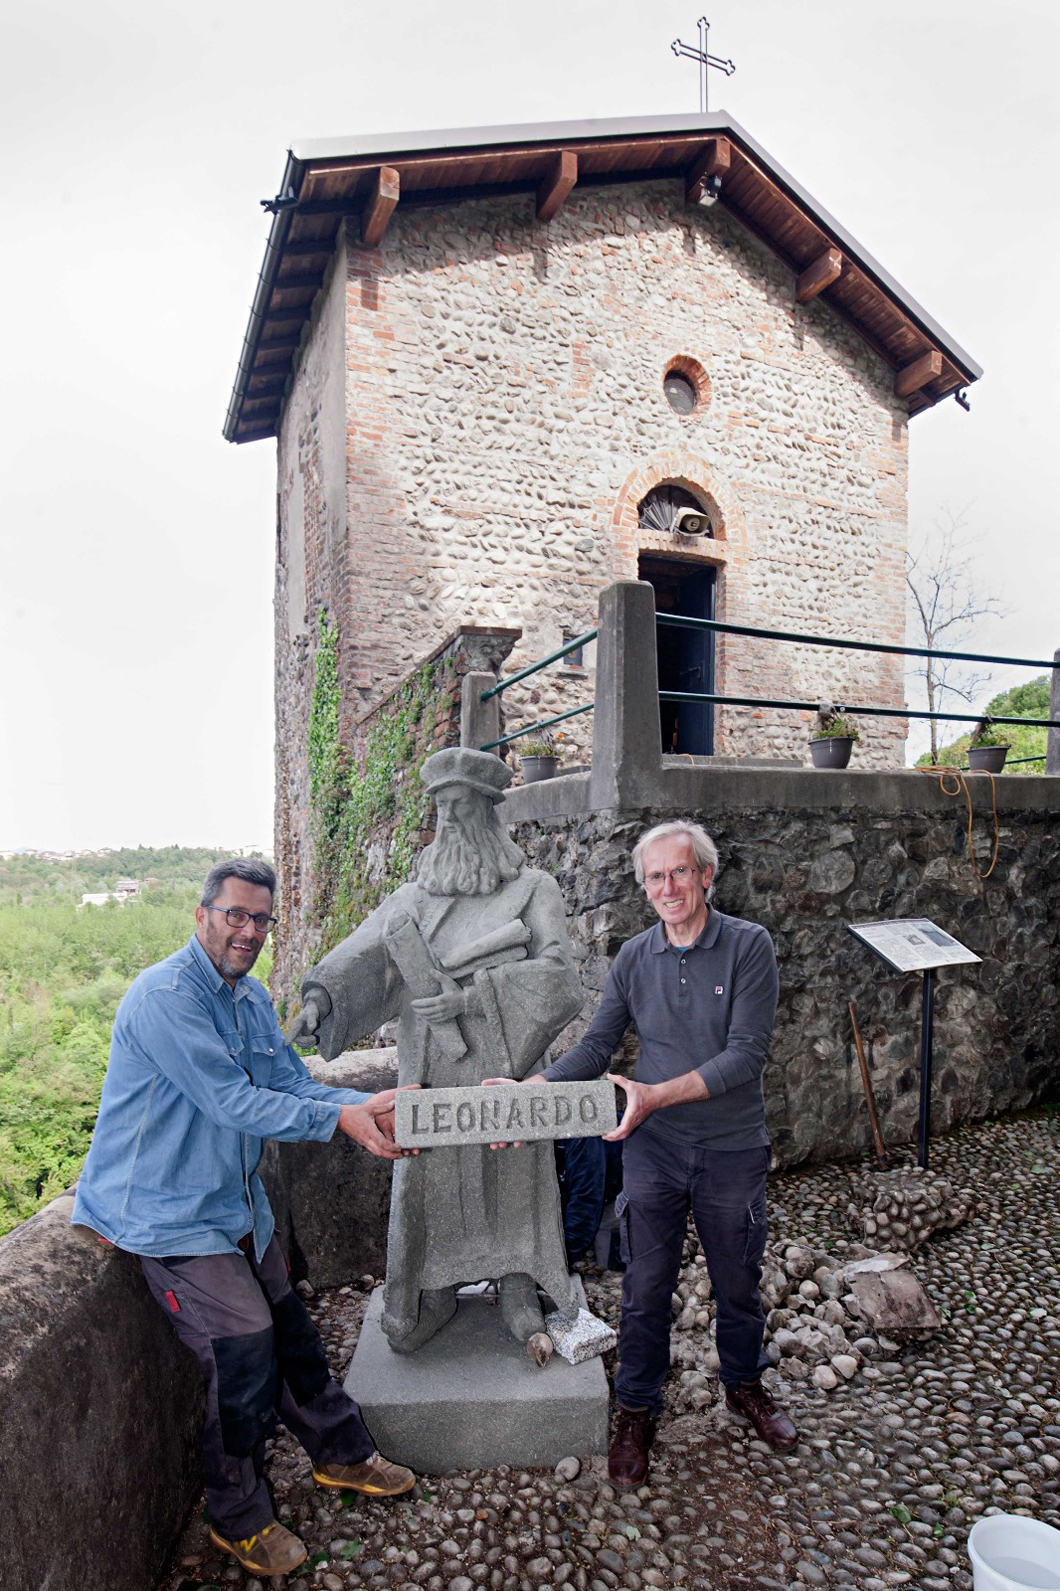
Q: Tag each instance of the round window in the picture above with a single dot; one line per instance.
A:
(680, 392)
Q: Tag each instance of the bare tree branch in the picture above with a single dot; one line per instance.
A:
(943, 605)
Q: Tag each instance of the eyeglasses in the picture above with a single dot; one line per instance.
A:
(678, 874)
(236, 917)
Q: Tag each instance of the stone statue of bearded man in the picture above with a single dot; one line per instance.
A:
(473, 961)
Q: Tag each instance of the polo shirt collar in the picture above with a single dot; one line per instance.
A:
(659, 945)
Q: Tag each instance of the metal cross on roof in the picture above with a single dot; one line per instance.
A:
(705, 59)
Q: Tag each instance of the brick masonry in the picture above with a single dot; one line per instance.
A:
(478, 409)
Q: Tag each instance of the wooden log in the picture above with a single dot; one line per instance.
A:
(918, 374)
(866, 1083)
(556, 184)
(824, 270)
(713, 162)
(386, 190)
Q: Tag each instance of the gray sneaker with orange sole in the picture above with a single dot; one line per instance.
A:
(274, 1550)
(374, 1476)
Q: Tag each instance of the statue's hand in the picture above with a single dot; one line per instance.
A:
(304, 1028)
(442, 1007)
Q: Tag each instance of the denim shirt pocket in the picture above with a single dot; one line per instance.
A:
(260, 1059)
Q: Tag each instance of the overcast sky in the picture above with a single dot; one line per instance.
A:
(137, 546)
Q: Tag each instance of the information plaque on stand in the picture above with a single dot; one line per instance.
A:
(915, 944)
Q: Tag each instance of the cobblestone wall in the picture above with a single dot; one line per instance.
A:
(478, 411)
(806, 875)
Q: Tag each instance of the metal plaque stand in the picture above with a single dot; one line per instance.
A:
(916, 944)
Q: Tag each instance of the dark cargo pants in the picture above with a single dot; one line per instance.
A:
(260, 1354)
(726, 1192)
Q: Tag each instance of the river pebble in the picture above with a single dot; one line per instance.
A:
(904, 1444)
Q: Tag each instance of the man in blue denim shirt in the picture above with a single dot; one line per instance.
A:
(199, 1076)
(702, 990)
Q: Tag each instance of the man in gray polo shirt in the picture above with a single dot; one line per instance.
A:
(701, 989)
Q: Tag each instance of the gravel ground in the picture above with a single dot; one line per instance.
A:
(894, 1464)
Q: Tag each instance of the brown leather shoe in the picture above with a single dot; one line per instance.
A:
(375, 1477)
(752, 1401)
(274, 1550)
(627, 1458)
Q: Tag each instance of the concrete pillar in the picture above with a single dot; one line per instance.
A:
(480, 722)
(627, 753)
(1052, 743)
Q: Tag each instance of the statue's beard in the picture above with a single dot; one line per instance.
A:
(469, 858)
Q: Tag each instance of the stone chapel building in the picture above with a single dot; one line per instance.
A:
(499, 363)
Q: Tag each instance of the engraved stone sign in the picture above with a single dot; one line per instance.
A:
(433, 1118)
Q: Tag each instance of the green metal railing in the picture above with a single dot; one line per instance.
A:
(535, 668)
(682, 621)
(525, 673)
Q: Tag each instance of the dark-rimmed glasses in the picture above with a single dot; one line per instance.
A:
(236, 917)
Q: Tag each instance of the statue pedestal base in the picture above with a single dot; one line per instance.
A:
(472, 1398)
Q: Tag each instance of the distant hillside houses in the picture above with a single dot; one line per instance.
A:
(125, 889)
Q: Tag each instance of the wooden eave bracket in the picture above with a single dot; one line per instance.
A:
(713, 162)
(382, 202)
(819, 274)
(556, 184)
(912, 377)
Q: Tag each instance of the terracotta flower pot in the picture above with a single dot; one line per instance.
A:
(986, 759)
(834, 752)
(535, 768)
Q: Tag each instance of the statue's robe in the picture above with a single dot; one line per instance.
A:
(468, 1213)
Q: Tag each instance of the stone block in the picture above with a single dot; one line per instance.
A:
(439, 1118)
(472, 1398)
(581, 1338)
(891, 1295)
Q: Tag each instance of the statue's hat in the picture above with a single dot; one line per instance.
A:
(478, 770)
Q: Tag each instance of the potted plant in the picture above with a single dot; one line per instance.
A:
(539, 757)
(833, 739)
(987, 748)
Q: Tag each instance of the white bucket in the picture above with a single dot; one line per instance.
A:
(1011, 1553)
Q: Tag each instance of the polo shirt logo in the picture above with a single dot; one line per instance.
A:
(719, 988)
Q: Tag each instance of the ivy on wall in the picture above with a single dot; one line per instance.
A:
(368, 813)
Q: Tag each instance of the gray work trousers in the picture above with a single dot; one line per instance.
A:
(260, 1355)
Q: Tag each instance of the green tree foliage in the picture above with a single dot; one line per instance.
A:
(33, 878)
(1029, 700)
(63, 972)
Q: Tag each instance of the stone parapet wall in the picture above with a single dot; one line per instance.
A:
(100, 1409)
(806, 854)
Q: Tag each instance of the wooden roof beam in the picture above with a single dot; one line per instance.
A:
(313, 279)
(910, 379)
(382, 202)
(306, 248)
(713, 162)
(818, 275)
(263, 384)
(556, 184)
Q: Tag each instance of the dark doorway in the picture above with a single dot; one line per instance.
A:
(686, 657)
